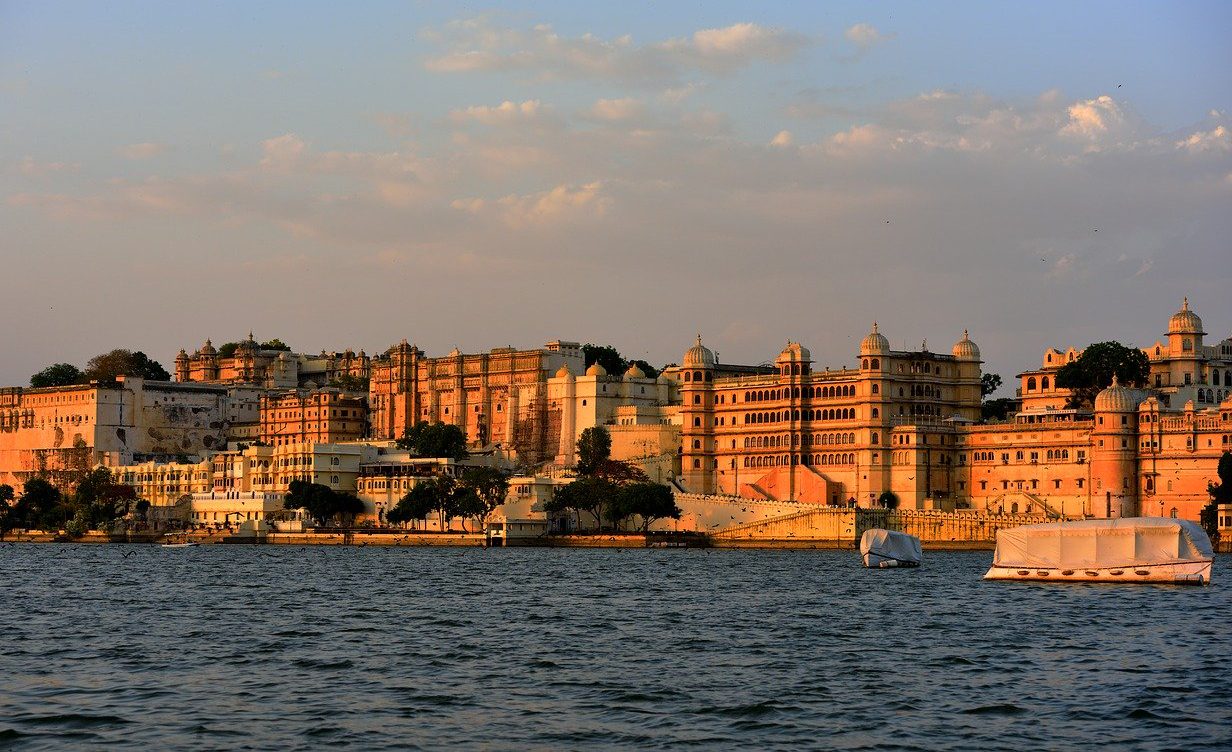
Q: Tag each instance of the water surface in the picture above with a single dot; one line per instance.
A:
(262, 647)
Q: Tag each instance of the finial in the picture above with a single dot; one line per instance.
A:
(207, 342)
(874, 327)
(1185, 305)
(250, 335)
(699, 339)
(924, 346)
(965, 337)
(1114, 379)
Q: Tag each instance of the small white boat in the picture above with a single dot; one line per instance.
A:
(180, 545)
(1129, 549)
(883, 549)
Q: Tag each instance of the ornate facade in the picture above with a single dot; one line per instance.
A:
(324, 416)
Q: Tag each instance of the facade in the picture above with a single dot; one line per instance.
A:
(270, 469)
(60, 432)
(321, 416)
(496, 398)
(273, 369)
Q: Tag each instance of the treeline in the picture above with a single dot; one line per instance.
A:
(95, 501)
(474, 496)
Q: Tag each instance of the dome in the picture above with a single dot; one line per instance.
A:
(795, 352)
(182, 356)
(875, 343)
(596, 370)
(965, 349)
(1185, 321)
(564, 373)
(1116, 399)
(248, 345)
(698, 356)
(208, 348)
(634, 372)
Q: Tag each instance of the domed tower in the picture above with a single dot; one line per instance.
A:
(969, 391)
(562, 389)
(209, 361)
(182, 372)
(1185, 346)
(794, 362)
(1114, 452)
(697, 462)
(873, 350)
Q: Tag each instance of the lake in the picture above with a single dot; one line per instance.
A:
(290, 647)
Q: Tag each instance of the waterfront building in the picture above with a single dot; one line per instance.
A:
(319, 416)
(168, 486)
(62, 432)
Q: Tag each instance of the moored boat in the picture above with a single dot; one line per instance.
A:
(1129, 549)
(180, 545)
(884, 549)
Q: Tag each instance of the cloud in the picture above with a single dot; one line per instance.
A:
(31, 167)
(504, 113)
(146, 150)
(866, 36)
(782, 139)
(1218, 139)
(617, 109)
(476, 45)
(281, 152)
(1093, 118)
(560, 203)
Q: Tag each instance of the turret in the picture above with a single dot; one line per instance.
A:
(697, 464)
(1114, 452)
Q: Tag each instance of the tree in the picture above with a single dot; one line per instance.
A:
(434, 440)
(8, 510)
(414, 505)
(1221, 493)
(620, 472)
(59, 374)
(490, 485)
(990, 383)
(40, 505)
(650, 371)
(142, 509)
(275, 344)
(650, 501)
(1094, 369)
(227, 349)
(606, 356)
(888, 499)
(585, 495)
(350, 383)
(99, 500)
(594, 447)
(997, 409)
(119, 362)
(322, 502)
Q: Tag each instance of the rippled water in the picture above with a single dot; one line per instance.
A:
(222, 647)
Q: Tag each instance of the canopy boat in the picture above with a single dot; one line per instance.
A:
(882, 549)
(180, 545)
(1130, 549)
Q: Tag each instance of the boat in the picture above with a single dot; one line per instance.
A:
(884, 549)
(1128, 549)
(180, 545)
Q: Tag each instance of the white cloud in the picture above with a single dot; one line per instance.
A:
(1216, 139)
(1093, 118)
(476, 45)
(505, 112)
(560, 203)
(782, 139)
(144, 150)
(617, 109)
(31, 167)
(865, 36)
(282, 151)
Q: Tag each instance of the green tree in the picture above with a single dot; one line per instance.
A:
(41, 505)
(275, 344)
(594, 447)
(350, 383)
(997, 409)
(227, 349)
(142, 509)
(59, 374)
(1094, 369)
(650, 371)
(585, 494)
(1221, 493)
(414, 505)
(620, 472)
(490, 485)
(98, 499)
(606, 356)
(119, 362)
(8, 509)
(434, 440)
(650, 501)
(888, 499)
(322, 502)
(989, 383)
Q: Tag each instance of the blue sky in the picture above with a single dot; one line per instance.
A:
(631, 173)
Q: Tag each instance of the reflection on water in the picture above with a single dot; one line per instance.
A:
(288, 647)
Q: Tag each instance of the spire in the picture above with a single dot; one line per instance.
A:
(1185, 304)
(1114, 380)
(874, 327)
(965, 337)
(699, 338)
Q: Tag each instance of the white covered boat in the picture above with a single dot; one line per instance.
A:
(1130, 549)
(882, 549)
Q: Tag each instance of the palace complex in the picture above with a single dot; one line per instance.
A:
(230, 433)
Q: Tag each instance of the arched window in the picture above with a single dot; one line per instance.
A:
(1044, 383)
(876, 363)
(876, 412)
(688, 376)
(865, 364)
(876, 389)
(875, 437)
(1030, 386)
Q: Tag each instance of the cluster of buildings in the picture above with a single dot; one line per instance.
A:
(222, 442)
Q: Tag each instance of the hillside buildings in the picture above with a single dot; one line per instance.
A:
(906, 422)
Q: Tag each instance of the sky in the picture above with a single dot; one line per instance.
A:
(1041, 174)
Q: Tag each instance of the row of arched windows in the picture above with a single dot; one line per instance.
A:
(698, 376)
(1044, 383)
(1211, 395)
(810, 392)
(806, 459)
(842, 413)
